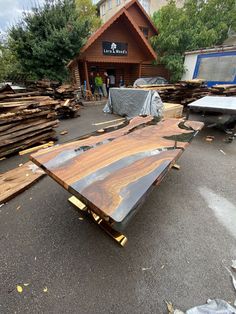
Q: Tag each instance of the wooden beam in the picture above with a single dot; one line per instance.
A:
(86, 76)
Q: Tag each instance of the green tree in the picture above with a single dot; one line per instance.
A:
(88, 11)
(198, 24)
(45, 40)
(8, 63)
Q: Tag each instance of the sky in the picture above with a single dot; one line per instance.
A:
(11, 11)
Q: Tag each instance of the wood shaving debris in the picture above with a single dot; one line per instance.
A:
(209, 138)
(19, 289)
(26, 284)
(2, 204)
(64, 132)
(146, 268)
(162, 266)
(222, 152)
(20, 165)
(170, 307)
(45, 289)
(81, 218)
(18, 207)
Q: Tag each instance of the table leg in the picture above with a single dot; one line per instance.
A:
(187, 113)
(106, 226)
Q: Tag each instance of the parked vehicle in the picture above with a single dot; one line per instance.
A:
(158, 80)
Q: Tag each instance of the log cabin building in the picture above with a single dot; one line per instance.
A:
(121, 47)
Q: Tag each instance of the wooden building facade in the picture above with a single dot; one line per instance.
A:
(121, 47)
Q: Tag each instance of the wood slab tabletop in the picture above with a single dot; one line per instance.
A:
(112, 170)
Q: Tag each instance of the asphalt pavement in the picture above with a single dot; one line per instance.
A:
(178, 244)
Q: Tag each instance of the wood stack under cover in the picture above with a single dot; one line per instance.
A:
(25, 121)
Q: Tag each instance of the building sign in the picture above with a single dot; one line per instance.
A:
(114, 48)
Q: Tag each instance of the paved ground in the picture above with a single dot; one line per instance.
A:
(179, 242)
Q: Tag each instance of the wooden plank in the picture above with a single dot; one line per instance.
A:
(36, 148)
(113, 172)
(16, 95)
(22, 99)
(16, 147)
(17, 135)
(7, 120)
(17, 180)
(21, 135)
(14, 127)
(110, 121)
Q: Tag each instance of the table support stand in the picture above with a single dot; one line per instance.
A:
(106, 226)
(176, 166)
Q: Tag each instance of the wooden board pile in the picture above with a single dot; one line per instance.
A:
(183, 92)
(68, 107)
(25, 121)
(65, 92)
(224, 90)
(44, 87)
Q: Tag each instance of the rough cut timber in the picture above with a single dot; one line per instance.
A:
(224, 89)
(172, 110)
(17, 180)
(112, 173)
(183, 92)
(25, 121)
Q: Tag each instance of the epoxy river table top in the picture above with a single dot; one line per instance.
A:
(111, 172)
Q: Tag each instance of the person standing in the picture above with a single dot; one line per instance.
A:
(92, 82)
(107, 82)
(121, 82)
(112, 80)
(98, 85)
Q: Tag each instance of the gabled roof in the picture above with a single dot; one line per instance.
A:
(123, 12)
(136, 2)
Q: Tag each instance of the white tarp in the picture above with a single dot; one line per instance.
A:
(132, 102)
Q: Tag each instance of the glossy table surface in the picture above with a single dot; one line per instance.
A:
(215, 103)
(111, 171)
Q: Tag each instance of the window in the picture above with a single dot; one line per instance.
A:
(118, 2)
(144, 30)
(103, 9)
(146, 5)
(109, 4)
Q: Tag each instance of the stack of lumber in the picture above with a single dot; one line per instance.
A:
(44, 87)
(223, 89)
(68, 109)
(65, 91)
(183, 92)
(25, 121)
(66, 94)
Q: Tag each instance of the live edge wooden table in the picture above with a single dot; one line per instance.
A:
(111, 171)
